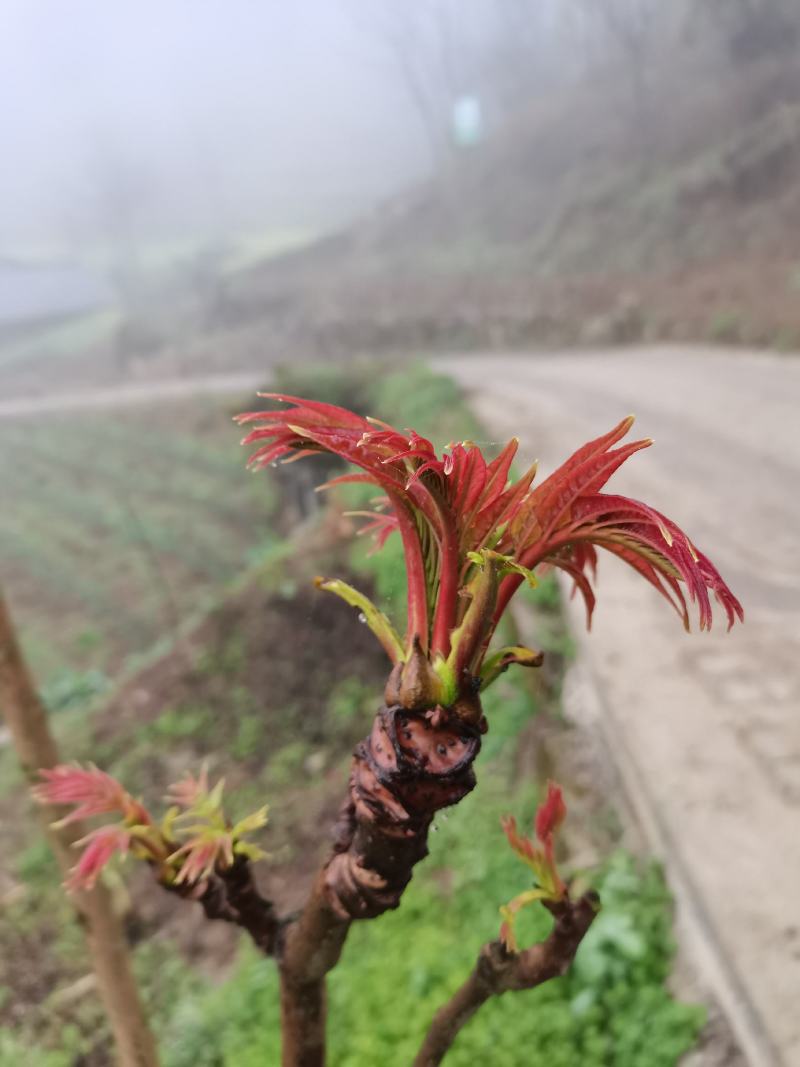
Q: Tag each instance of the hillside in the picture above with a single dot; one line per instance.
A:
(577, 224)
(589, 216)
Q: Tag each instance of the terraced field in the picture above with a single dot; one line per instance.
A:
(113, 527)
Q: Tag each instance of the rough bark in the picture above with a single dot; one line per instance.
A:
(310, 948)
(232, 896)
(412, 764)
(36, 748)
(498, 971)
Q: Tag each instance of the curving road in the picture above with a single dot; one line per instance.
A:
(130, 394)
(707, 727)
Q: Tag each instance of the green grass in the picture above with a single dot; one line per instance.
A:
(121, 526)
(64, 338)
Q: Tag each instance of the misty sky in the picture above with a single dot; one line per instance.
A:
(214, 115)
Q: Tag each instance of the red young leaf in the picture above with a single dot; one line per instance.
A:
(450, 508)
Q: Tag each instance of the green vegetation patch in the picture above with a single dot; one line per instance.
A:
(118, 528)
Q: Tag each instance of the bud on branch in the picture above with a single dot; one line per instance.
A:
(192, 842)
(471, 537)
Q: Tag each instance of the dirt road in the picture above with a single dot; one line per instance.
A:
(709, 723)
(130, 394)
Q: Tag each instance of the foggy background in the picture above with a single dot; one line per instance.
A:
(216, 118)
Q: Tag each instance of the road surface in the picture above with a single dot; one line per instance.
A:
(130, 394)
(709, 722)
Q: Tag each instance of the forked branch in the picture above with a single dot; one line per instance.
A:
(231, 895)
(497, 971)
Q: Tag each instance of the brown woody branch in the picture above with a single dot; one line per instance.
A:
(414, 762)
(311, 947)
(232, 896)
(497, 971)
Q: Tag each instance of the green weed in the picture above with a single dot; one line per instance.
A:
(284, 765)
(36, 864)
(249, 739)
(74, 688)
(178, 724)
(726, 326)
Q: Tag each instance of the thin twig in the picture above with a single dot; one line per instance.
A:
(497, 971)
(232, 896)
(35, 748)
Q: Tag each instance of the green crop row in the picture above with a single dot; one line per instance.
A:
(117, 524)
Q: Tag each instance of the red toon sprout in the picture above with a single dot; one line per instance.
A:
(471, 537)
(90, 790)
(549, 885)
(100, 846)
(192, 841)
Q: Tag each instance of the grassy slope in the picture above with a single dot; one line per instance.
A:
(133, 519)
(574, 224)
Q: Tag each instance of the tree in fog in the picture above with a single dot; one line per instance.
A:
(425, 44)
(120, 191)
(625, 35)
(751, 29)
(502, 52)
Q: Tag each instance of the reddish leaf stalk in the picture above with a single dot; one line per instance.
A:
(498, 971)
(451, 507)
(415, 572)
(447, 598)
